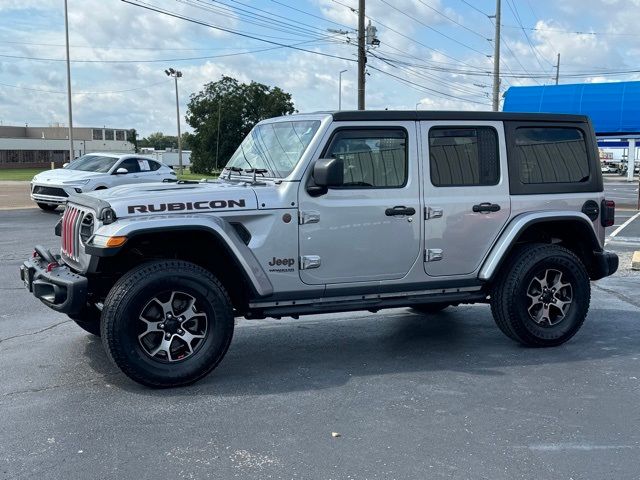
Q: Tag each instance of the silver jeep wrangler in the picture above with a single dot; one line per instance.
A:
(334, 212)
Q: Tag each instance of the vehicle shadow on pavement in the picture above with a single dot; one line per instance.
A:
(273, 358)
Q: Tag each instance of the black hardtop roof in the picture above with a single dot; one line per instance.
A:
(355, 115)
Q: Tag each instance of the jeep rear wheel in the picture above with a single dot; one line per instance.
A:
(167, 323)
(542, 295)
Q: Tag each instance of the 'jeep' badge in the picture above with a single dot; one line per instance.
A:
(282, 265)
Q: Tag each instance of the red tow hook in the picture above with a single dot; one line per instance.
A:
(52, 265)
(34, 254)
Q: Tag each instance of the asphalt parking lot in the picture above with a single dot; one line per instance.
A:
(446, 396)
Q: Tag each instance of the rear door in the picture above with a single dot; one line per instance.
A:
(466, 193)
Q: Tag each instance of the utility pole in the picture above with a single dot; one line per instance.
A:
(66, 32)
(558, 70)
(340, 89)
(177, 74)
(362, 54)
(218, 137)
(496, 61)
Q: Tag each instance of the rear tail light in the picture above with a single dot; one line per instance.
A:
(607, 219)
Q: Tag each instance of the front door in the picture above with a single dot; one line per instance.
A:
(369, 228)
(466, 193)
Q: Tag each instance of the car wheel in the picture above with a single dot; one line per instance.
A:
(167, 323)
(88, 319)
(47, 207)
(429, 308)
(542, 295)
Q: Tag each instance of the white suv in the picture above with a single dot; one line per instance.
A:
(95, 171)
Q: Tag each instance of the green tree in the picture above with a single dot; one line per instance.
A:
(159, 141)
(132, 136)
(239, 106)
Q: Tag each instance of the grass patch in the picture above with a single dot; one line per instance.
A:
(19, 173)
(28, 173)
(187, 175)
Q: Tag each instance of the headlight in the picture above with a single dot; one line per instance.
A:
(76, 182)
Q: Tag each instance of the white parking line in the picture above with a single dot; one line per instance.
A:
(622, 227)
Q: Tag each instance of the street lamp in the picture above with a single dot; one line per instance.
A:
(340, 89)
(177, 74)
(417, 105)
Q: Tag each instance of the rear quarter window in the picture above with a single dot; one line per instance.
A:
(551, 155)
(547, 157)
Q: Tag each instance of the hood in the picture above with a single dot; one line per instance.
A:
(60, 175)
(161, 198)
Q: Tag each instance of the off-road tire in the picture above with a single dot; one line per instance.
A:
(510, 303)
(88, 319)
(47, 207)
(429, 308)
(123, 307)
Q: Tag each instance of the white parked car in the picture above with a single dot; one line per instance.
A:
(95, 171)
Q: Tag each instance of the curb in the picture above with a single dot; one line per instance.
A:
(635, 261)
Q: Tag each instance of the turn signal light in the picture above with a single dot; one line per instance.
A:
(115, 241)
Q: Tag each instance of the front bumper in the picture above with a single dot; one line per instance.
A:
(51, 194)
(60, 288)
(604, 264)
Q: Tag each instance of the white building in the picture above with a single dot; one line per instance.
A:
(29, 147)
(168, 156)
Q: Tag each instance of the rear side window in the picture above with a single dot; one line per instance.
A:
(372, 158)
(463, 156)
(551, 155)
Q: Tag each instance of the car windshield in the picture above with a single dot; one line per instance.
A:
(93, 163)
(274, 147)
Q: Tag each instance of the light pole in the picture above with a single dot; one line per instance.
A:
(417, 105)
(340, 89)
(177, 74)
(66, 32)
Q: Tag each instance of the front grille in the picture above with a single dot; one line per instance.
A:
(53, 191)
(75, 222)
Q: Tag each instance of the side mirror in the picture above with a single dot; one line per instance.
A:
(327, 172)
(65, 165)
(121, 171)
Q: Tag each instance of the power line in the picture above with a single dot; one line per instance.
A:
(475, 8)
(434, 29)
(152, 8)
(514, 10)
(431, 90)
(104, 92)
(163, 60)
(413, 40)
(455, 21)
(312, 15)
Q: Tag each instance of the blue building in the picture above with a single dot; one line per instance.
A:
(614, 108)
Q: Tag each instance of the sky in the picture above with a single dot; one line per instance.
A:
(433, 54)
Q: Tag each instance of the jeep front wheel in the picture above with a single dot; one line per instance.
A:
(542, 295)
(167, 323)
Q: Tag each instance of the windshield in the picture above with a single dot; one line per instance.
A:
(93, 163)
(274, 147)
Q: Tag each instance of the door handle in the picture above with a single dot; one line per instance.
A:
(399, 210)
(486, 207)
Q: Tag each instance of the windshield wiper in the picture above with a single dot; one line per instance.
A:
(256, 171)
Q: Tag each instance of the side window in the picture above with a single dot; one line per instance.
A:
(551, 155)
(463, 156)
(154, 165)
(372, 158)
(131, 164)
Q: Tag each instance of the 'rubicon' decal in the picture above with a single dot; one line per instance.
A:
(186, 206)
